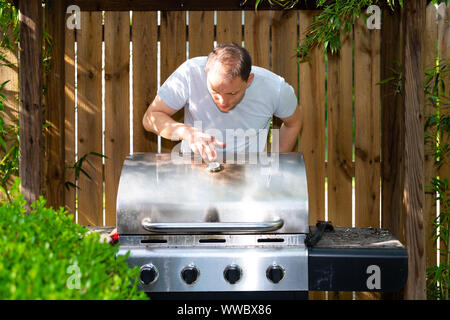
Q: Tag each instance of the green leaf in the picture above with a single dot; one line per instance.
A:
(2, 143)
(69, 184)
(4, 84)
(389, 79)
(98, 154)
(85, 173)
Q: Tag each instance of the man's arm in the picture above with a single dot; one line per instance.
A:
(158, 119)
(290, 130)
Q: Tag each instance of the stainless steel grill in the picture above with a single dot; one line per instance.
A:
(239, 228)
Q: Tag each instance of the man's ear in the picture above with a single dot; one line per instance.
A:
(250, 79)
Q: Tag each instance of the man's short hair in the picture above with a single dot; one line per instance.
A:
(234, 57)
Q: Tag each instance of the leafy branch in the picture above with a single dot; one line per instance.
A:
(9, 163)
(336, 17)
(438, 277)
(437, 128)
(78, 167)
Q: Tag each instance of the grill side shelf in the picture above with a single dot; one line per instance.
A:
(357, 259)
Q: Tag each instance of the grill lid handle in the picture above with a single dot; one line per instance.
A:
(198, 227)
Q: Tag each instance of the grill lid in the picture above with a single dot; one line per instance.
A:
(253, 192)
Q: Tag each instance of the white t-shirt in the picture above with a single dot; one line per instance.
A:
(243, 128)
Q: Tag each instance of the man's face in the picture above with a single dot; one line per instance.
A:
(226, 92)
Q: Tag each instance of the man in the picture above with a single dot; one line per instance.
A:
(225, 99)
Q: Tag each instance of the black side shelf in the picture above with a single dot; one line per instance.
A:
(357, 269)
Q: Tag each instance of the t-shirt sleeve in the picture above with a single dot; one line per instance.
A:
(287, 102)
(175, 90)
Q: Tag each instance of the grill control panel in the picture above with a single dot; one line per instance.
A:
(190, 273)
(221, 269)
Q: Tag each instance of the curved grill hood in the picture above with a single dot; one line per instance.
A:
(173, 193)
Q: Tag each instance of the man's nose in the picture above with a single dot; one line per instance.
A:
(221, 99)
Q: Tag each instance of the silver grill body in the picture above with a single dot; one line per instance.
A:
(211, 259)
(173, 213)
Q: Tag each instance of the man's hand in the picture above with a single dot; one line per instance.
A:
(203, 143)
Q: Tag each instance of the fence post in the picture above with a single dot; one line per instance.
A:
(414, 24)
(30, 111)
(403, 134)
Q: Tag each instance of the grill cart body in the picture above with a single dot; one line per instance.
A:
(234, 232)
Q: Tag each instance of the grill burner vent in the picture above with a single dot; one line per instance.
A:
(153, 241)
(212, 240)
(271, 240)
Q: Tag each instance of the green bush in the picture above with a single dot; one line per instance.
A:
(45, 255)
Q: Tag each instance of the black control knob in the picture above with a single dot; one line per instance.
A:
(232, 273)
(149, 274)
(190, 274)
(275, 273)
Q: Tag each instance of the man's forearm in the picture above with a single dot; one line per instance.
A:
(199, 142)
(163, 125)
(288, 137)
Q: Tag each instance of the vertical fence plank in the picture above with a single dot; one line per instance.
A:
(9, 72)
(367, 130)
(144, 39)
(284, 54)
(312, 100)
(444, 53)
(201, 33)
(117, 123)
(393, 210)
(89, 108)
(429, 62)
(367, 126)
(257, 37)
(340, 114)
(312, 143)
(173, 53)
(69, 115)
(392, 176)
(257, 42)
(54, 109)
(229, 27)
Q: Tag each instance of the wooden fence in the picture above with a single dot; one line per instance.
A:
(114, 62)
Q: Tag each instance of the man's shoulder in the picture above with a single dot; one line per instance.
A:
(192, 67)
(266, 75)
(196, 62)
